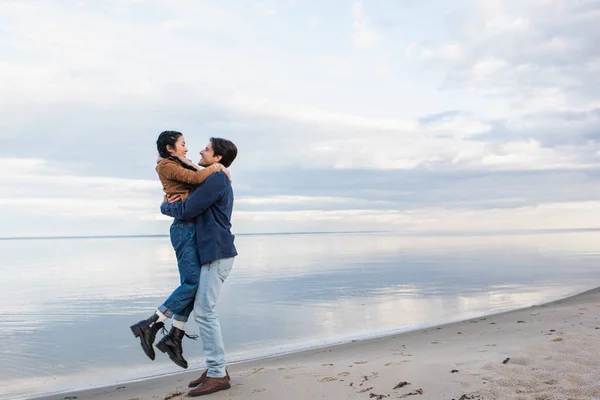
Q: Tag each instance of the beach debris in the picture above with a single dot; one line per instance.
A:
(454, 371)
(173, 395)
(469, 397)
(558, 339)
(506, 361)
(552, 330)
(459, 333)
(360, 362)
(416, 392)
(492, 323)
(365, 390)
(326, 365)
(401, 385)
(70, 397)
(328, 379)
(378, 396)
(121, 387)
(435, 342)
(351, 384)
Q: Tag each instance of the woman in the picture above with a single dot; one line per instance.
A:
(179, 176)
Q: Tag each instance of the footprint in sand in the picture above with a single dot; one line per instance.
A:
(259, 390)
(396, 363)
(360, 362)
(326, 365)
(328, 379)
(344, 374)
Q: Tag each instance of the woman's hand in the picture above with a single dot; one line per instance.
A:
(173, 198)
(220, 167)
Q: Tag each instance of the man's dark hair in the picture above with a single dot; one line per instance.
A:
(166, 138)
(224, 148)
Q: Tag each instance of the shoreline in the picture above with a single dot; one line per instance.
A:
(254, 371)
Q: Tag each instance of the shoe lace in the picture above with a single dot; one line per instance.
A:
(193, 337)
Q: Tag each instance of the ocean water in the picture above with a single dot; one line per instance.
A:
(68, 303)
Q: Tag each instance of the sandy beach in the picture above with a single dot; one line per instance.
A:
(543, 352)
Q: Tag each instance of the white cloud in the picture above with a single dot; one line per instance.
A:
(264, 8)
(572, 215)
(363, 35)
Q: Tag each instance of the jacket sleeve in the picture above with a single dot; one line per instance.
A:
(199, 200)
(175, 172)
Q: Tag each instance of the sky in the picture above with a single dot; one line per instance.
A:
(425, 115)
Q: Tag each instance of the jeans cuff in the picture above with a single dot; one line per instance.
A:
(216, 372)
(165, 311)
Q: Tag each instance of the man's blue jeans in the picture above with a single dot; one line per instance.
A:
(180, 303)
(212, 277)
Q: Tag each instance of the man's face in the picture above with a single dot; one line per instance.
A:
(207, 156)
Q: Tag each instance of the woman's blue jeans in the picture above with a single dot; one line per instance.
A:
(180, 303)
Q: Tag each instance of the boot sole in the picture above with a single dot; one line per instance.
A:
(165, 349)
(224, 387)
(137, 332)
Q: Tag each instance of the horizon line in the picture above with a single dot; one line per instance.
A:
(407, 231)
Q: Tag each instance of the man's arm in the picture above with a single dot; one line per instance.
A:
(199, 200)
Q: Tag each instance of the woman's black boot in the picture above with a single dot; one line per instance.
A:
(146, 330)
(171, 344)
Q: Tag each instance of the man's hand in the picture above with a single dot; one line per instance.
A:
(173, 198)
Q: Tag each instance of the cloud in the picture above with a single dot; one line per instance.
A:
(264, 8)
(528, 50)
(329, 137)
(363, 35)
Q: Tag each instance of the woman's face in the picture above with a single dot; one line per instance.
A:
(179, 150)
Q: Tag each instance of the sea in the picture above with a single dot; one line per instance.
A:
(67, 303)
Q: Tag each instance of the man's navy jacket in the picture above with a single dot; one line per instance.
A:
(211, 203)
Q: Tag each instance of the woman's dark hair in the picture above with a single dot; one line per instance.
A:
(224, 148)
(166, 138)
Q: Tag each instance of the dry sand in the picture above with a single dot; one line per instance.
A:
(546, 352)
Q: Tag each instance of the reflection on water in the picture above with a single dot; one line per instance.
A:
(69, 303)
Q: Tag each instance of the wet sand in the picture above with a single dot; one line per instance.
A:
(544, 352)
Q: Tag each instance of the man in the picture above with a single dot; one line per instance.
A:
(211, 204)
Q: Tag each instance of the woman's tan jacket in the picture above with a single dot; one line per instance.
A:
(180, 176)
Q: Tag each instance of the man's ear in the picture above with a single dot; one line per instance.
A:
(218, 158)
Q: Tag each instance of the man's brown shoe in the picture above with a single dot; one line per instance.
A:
(210, 385)
(203, 377)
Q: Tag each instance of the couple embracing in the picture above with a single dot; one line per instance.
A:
(200, 198)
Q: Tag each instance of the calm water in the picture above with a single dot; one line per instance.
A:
(68, 303)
